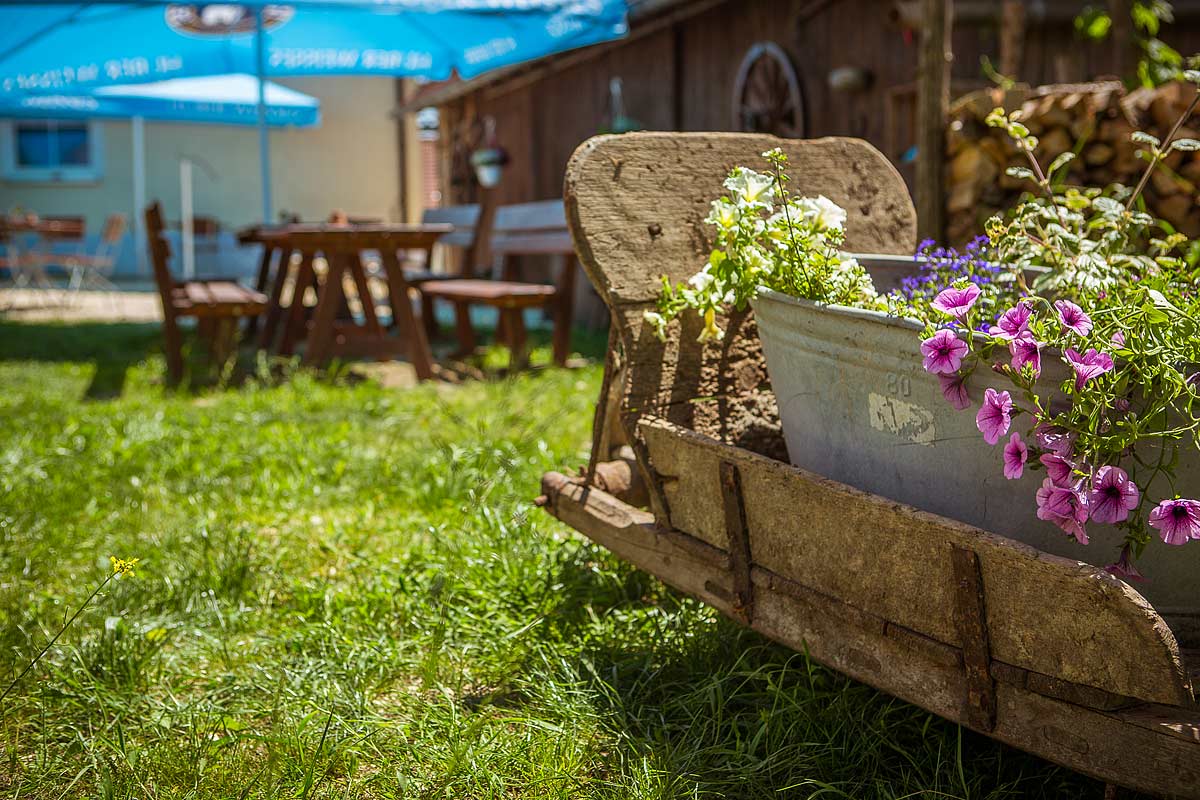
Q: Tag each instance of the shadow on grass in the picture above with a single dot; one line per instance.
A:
(112, 347)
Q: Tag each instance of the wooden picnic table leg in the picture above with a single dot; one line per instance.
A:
(264, 276)
(564, 311)
(514, 327)
(293, 328)
(463, 329)
(359, 272)
(410, 327)
(428, 317)
(275, 302)
(329, 301)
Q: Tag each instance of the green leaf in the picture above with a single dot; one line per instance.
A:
(1093, 24)
(1063, 159)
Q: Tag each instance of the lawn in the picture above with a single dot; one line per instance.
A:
(344, 591)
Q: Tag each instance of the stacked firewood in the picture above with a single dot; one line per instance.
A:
(1094, 120)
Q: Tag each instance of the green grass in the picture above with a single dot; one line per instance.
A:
(345, 592)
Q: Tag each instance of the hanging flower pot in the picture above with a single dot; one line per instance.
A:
(489, 164)
(489, 160)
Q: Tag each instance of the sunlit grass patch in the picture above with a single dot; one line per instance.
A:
(345, 591)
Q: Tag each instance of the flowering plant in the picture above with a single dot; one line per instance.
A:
(1115, 304)
(767, 236)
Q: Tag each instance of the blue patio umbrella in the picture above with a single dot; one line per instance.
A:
(225, 100)
(55, 46)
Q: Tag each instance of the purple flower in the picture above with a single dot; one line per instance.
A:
(1065, 507)
(957, 302)
(1012, 323)
(1072, 316)
(1176, 520)
(943, 352)
(1113, 496)
(1193, 381)
(1015, 456)
(995, 416)
(1123, 567)
(1118, 339)
(1059, 470)
(1057, 440)
(1026, 350)
(954, 389)
(1090, 365)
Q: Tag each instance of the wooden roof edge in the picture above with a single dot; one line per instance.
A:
(645, 17)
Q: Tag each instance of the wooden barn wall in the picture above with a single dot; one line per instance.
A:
(681, 78)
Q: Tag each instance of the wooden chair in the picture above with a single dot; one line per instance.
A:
(470, 225)
(92, 269)
(518, 230)
(216, 303)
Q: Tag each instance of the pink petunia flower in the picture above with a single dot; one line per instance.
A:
(1073, 317)
(1058, 469)
(954, 389)
(1113, 496)
(995, 416)
(1176, 520)
(1123, 567)
(1118, 339)
(1090, 365)
(1055, 439)
(1026, 350)
(1015, 456)
(943, 352)
(1065, 507)
(957, 302)
(1012, 323)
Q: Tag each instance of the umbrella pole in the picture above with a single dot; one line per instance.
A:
(264, 145)
(187, 230)
(137, 130)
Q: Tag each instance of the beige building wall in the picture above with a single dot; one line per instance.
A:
(350, 161)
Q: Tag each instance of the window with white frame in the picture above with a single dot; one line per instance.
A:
(52, 151)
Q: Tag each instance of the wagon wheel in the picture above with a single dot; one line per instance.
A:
(766, 93)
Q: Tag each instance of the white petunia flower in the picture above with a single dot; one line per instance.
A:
(656, 321)
(823, 212)
(723, 214)
(751, 188)
(701, 281)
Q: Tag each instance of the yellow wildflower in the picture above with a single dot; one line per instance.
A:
(122, 566)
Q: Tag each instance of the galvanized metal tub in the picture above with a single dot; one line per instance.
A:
(857, 406)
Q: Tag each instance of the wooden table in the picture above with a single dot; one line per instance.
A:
(343, 247)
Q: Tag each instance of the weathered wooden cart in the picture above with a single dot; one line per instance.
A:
(1054, 656)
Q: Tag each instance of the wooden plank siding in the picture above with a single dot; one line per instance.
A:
(681, 76)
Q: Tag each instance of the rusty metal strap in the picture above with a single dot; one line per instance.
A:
(739, 541)
(971, 620)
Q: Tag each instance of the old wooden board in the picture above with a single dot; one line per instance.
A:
(1146, 746)
(636, 202)
(635, 205)
(690, 566)
(1044, 614)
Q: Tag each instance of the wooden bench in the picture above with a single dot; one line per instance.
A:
(216, 303)
(518, 230)
(470, 226)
